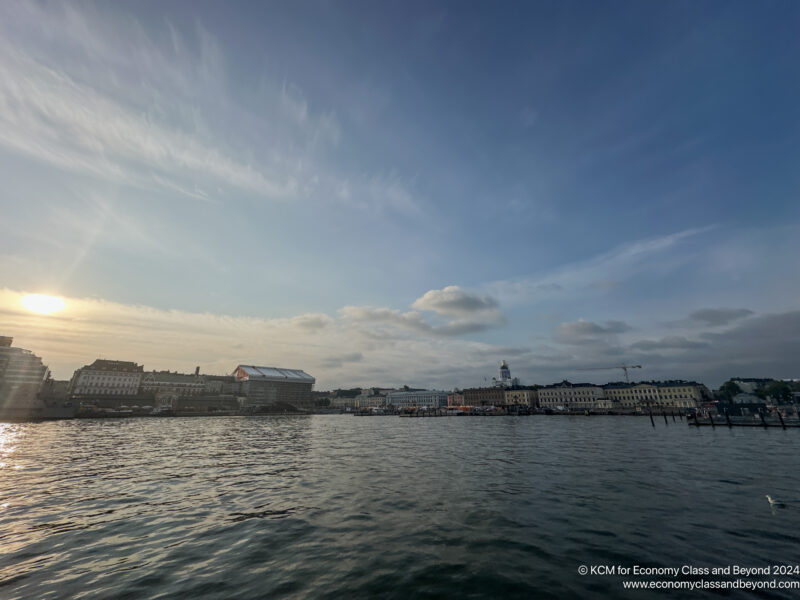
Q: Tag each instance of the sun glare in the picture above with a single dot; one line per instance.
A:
(43, 304)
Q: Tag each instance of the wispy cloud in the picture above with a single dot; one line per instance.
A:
(49, 116)
(323, 345)
(152, 110)
(582, 329)
(668, 343)
(715, 317)
(623, 262)
(337, 361)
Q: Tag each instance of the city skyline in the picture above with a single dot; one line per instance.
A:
(384, 197)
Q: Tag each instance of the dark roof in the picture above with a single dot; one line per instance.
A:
(102, 364)
(567, 384)
(228, 378)
(671, 383)
(164, 376)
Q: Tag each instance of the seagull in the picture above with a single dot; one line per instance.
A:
(774, 503)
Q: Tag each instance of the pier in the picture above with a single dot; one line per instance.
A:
(760, 421)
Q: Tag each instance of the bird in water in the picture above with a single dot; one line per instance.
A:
(775, 503)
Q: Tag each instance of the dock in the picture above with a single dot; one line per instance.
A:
(759, 421)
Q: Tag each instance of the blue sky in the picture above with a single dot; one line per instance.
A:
(387, 193)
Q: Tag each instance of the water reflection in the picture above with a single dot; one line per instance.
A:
(339, 506)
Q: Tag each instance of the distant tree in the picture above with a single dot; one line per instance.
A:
(780, 390)
(728, 390)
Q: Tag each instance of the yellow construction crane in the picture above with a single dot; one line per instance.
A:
(623, 367)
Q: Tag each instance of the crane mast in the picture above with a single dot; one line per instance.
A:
(623, 367)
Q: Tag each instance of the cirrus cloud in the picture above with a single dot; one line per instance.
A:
(716, 317)
(589, 329)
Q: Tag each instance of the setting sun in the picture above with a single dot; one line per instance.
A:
(43, 304)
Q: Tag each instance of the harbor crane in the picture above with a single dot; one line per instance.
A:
(623, 367)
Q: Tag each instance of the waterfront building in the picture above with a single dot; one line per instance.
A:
(221, 384)
(571, 396)
(659, 395)
(455, 399)
(26, 390)
(417, 398)
(681, 394)
(267, 386)
(486, 396)
(371, 398)
(166, 387)
(107, 378)
(343, 402)
(631, 396)
(527, 397)
(22, 375)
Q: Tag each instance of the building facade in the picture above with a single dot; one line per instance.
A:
(22, 375)
(526, 397)
(167, 387)
(486, 396)
(681, 394)
(656, 395)
(263, 387)
(107, 378)
(343, 402)
(571, 396)
(631, 396)
(222, 384)
(455, 399)
(371, 398)
(418, 398)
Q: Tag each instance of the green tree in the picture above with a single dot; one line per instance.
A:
(729, 389)
(780, 391)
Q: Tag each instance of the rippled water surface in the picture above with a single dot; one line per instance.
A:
(337, 506)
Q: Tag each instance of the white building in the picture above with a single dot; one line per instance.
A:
(628, 396)
(681, 394)
(504, 379)
(107, 378)
(421, 398)
(571, 396)
(371, 397)
(655, 395)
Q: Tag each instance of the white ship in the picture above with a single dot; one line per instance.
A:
(24, 387)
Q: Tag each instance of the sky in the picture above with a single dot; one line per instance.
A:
(388, 194)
